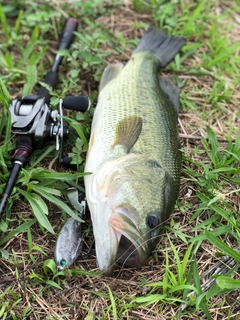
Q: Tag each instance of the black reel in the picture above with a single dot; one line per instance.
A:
(32, 117)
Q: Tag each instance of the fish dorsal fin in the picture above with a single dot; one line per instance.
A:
(128, 131)
(172, 92)
(109, 73)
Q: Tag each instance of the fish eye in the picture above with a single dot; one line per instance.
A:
(63, 263)
(152, 220)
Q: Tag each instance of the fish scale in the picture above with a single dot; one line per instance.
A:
(144, 98)
(133, 158)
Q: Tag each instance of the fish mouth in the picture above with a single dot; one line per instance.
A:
(128, 248)
(127, 253)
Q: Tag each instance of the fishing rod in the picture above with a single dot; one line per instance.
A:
(34, 122)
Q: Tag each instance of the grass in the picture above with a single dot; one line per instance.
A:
(205, 224)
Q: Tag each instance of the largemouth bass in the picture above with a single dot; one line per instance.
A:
(133, 155)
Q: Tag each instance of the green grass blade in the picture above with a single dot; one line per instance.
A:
(49, 267)
(53, 284)
(222, 246)
(29, 49)
(183, 287)
(43, 155)
(179, 266)
(31, 79)
(5, 97)
(236, 149)
(4, 23)
(19, 229)
(18, 21)
(5, 126)
(190, 25)
(228, 283)
(113, 304)
(44, 174)
(40, 210)
(150, 299)
(186, 259)
(219, 210)
(197, 283)
(213, 291)
(223, 55)
(81, 131)
(42, 191)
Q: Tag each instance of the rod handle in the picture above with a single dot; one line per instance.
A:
(67, 34)
(51, 79)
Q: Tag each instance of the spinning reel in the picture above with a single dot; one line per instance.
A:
(34, 123)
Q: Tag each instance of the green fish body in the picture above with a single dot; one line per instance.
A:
(133, 155)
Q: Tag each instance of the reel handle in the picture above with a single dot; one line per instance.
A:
(66, 161)
(80, 103)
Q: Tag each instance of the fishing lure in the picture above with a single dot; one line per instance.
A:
(69, 242)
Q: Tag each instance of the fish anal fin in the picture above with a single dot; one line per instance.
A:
(128, 131)
(109, 73)
(171, 91)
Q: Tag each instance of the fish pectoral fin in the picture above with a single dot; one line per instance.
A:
(171, 91)
(128, 131)
(109, 73)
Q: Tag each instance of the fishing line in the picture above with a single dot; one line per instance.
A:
(136, 247)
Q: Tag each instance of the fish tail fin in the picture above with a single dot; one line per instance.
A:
(163, 47)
